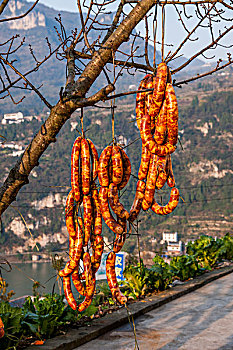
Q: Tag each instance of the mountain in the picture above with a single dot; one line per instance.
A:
(202, 162)
(34, 29)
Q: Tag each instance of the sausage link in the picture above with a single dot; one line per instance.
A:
(117, 165)
(111, 278)
(137, 204)
(97, 251)
(159, 90)
(75, 249)
(162, 173)
(145, 161)
(170, 206)
(149, 142)
(77, 282)
(148, 98)
(114, 202)
(151, 180)
(126, 170)
(69, 208)
(103, 166)
(171, 179)
(120, 239)
(87, 216)
(86, 167)
(140, 101)
(107, 216)
(75, 168)
(95, 160)
(172, 115)
(68, 292)
(90, 282)
(161, 125)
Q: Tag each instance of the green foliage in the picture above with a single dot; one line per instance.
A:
(205, 250)
(43, 317)
(184, 267)
(12, 318)
(226, 249)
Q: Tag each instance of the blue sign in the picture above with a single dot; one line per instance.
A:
(119, 267)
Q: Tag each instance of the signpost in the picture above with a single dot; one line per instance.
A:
(119, 268)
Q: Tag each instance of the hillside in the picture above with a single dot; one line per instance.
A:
(35, 28)
(202, 167)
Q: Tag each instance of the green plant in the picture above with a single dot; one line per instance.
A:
(184, 267)
(226, 250)
(162, 273)
(43, 317)
(12, 318)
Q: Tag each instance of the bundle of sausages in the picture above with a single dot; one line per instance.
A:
(82, 230)
(157, 120)
(114, 173)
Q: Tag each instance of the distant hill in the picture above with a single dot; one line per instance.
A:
(35, 28)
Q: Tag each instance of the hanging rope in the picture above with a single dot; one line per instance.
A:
(163, 31)
(113, 101)
(81, 119)
(154, 33)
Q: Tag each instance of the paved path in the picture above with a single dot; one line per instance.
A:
(201, 320)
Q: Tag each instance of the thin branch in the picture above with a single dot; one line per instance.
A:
(27, 81)
(179, 83)
(20, 16)
(3, 5)
(203, 50)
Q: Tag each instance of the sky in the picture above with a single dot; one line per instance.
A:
(174, 32)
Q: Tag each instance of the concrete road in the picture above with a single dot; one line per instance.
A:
(201, 320)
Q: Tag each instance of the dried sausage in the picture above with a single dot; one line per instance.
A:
(149, 142)
(151, 180)
(170, 206)
(103, 166)
(95, 160)
(87, 217)
(140, 101)
(86, 167)
(137, 204)
(77, 282)
(126, 170)
(120, 238)
(145, 161)
(172, 115)
(112, 281)
(117, 165)
(75, 168)
(68, 292)
(114, 202)
(107, 216)
(159, 90)
(161, 125)
(90, 282)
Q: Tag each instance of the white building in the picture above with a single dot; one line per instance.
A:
(175, 247)
(13, 118)
(170, 237)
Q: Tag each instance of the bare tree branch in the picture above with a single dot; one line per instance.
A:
(21, 16)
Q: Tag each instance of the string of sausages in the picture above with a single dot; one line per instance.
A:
(85, 226)
(157, 120)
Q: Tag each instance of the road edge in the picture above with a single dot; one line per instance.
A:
(77, 337)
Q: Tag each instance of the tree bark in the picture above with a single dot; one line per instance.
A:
(73, 99)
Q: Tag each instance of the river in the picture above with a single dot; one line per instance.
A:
(20, 278)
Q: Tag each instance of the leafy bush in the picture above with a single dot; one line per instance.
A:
(184, 267)
(43, 317)
(208, 251)
(162, 273)
(12, 318)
